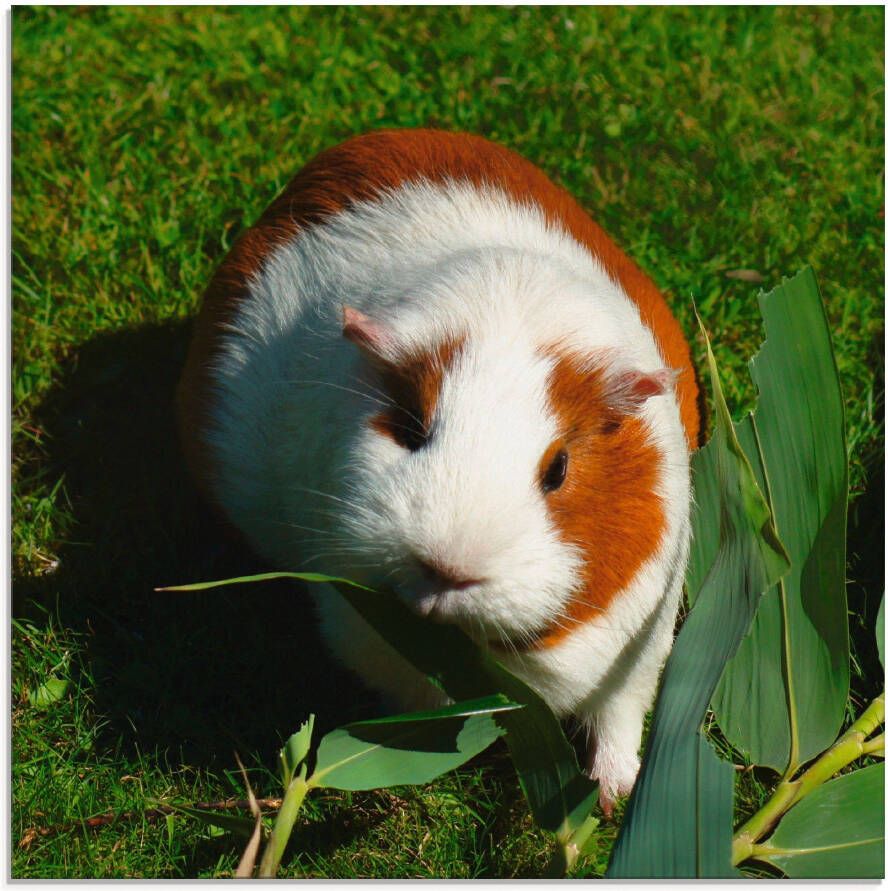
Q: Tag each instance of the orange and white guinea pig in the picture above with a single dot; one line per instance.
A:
(426, 368)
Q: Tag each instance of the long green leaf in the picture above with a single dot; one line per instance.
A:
(242, 826)
(263, 577)
(496, 704)
(782, 697)
(836, 832)
(408, 749)
(678, 821)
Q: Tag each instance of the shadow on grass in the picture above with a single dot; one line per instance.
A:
(195, 674)
(866, 576)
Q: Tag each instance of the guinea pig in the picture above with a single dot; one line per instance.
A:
(426, 368)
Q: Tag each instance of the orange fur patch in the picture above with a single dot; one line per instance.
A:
(607, 505)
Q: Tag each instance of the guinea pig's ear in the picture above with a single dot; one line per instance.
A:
(372, 338)
(627, 391)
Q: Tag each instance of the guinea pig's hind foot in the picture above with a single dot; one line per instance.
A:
(615, 769)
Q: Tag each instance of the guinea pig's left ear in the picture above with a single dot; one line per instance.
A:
(629, 390)
(372, 338)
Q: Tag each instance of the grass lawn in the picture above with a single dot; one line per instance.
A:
(706, 140)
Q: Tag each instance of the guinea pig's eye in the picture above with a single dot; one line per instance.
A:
(401, 427)
(411, 437)
(408, 429)
(555, 472)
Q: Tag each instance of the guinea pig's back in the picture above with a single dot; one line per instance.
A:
(243, 387)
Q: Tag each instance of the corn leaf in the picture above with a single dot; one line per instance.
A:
(715, 806)
(836, 832)
(678, 820)
(782, 698)
(408, 749)
(261, 577)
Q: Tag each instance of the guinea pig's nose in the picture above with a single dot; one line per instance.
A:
(439, 574)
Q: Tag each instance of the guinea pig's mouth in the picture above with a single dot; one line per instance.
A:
(447, 606)
(439, 594)
(440, 603)
(446, 601)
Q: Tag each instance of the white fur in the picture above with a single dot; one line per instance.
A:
(314, 487)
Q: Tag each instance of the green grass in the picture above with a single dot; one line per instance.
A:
(704, 139)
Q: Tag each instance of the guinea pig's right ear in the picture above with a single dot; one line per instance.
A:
(372, 338)
(627, 391)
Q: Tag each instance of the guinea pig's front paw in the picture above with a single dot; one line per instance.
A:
(615, 769)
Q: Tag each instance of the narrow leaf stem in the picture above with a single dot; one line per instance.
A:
(283, 827)
(875, 746)
(848, 748)
(766, 850)
(568, 844)
(872, 717)
(762, 850)
(574, 844)
(784, 797)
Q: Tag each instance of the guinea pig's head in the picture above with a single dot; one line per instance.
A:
(506, 487)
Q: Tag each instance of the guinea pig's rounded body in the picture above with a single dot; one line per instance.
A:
(425, 367)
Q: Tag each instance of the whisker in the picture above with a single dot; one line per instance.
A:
(322, 495)
(333, 386)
